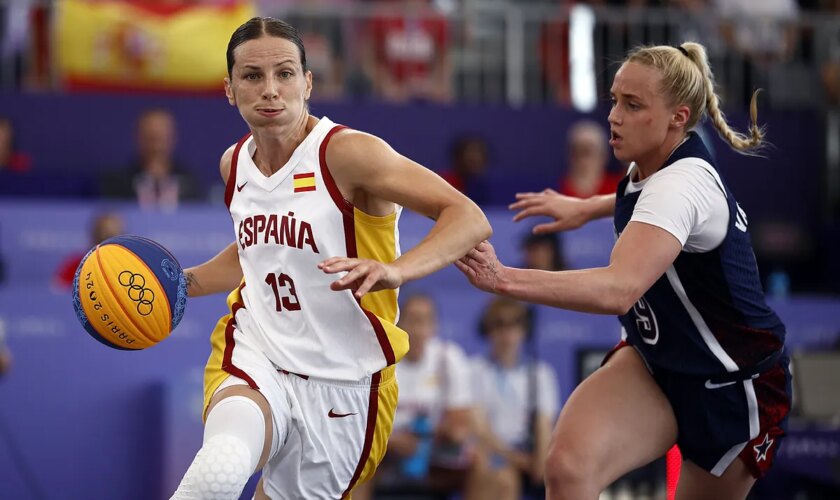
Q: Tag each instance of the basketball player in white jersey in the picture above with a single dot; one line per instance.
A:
(300, 382)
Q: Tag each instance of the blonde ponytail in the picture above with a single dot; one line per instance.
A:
(682, 81)
(743, 143)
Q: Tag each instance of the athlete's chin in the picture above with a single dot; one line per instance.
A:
(621, 154)
(265, 122)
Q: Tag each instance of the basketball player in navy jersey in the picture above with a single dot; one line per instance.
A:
(300, 381)
(702, 361)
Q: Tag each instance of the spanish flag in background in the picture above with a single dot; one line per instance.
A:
(125, 45)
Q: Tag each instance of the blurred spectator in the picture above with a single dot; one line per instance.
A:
(763, 31)
(697, 22)
(322, 33)
(543, 251)
(11, 159)
(553, 50)
(155, 179)
(103, 226)
(762, 34)
(588, 156)
(467, 172)
(555, 37)
(14, 38)
(429, 450)
(517, 399)
(408, 52)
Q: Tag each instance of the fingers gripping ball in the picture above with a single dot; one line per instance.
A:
(129, 292)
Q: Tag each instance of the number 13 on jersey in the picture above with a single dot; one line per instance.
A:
(284, 292)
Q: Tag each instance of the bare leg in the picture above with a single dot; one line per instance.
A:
(617, 420)
(698, 484)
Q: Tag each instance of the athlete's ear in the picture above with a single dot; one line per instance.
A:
(229, 92)
(308, 91)
(680, 117)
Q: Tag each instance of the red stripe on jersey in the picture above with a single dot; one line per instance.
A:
(231, 180)
(350, 241)
(387, 350)
(342, 204)
(308, 175)
(304, 189)
(373, 412)
(230, 343)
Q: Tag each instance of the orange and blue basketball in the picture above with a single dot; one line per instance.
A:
(129, 292)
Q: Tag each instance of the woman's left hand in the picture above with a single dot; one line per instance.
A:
(363, 275)
(482, 267)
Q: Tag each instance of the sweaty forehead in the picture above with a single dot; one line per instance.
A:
(266, 51)
(637, 79)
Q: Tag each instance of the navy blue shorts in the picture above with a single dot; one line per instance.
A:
(718, 422)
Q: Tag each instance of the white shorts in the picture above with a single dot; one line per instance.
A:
(328, 436)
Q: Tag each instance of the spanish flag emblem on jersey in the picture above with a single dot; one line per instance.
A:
(304, 182)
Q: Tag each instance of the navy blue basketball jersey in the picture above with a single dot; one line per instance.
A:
(707, 314)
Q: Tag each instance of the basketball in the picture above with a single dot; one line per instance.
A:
(129, 292)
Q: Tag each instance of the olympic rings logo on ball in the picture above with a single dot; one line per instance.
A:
(138, 292)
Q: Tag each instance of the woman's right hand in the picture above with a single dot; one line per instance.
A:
(568, 212)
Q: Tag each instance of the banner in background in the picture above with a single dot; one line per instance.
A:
(115, 45)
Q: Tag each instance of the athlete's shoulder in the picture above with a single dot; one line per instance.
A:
(693, 161)
(694, 174)
(356, 156)
(224, 163)
(228, 157)
(348, 141)
(685, 170)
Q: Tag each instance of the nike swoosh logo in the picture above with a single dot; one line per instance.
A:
(710, 385)
(239, 188)
(333, 414)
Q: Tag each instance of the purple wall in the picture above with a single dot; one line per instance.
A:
(87, 133)
(91, 422)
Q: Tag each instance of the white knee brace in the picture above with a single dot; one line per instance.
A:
(234, 435)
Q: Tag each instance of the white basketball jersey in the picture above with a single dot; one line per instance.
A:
(285, 225)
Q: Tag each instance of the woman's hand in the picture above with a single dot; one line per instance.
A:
(363, 275)
(482, 267)
(568, 212)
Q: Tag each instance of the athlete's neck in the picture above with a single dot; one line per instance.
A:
(275, 145)
(656, 159)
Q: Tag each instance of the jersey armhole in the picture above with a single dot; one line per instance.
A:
(231, 180)
(345, 206)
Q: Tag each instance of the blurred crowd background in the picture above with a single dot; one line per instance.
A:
(420, 56)
(113, 118)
